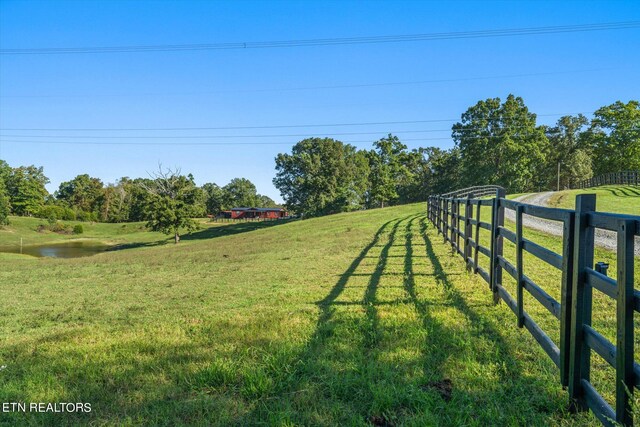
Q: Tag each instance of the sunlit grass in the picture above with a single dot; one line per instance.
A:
(610, 198)
(349, 319)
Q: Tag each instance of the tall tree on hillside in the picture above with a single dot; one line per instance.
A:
(26, 188)
(569, 161)
(387, 170)
(215, 198)
(322, 176)
(265, 201)
(82, 193)
(5, 203)
(412, 186)
(240, 192)
(5, 170)
(614, 135)
(172, 202)
(500, 144)
(138, 198)
(114, 202)
(443, 170)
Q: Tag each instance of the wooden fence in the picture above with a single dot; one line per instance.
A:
(457, 216)
(613, 178)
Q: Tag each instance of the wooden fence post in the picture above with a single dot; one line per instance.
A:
(439, 212)
(458, 226)
(445, 218)
(496, 243)
(519, 267)
(454, 226)
(625, 378)
(468, 230)
(477, 250)
(566, 296)
(580, 353)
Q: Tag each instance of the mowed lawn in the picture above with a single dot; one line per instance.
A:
(352, 319)
(610, 198)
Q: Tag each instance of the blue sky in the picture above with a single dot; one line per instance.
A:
(554, 73)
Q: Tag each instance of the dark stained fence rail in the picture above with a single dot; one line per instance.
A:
(457, 216)
(613, 178)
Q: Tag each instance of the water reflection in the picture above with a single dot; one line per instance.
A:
(59, 250)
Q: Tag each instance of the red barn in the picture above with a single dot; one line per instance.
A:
(258, 213)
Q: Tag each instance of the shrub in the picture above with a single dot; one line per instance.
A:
(55, 226)
(82, 215)
(85, 216)
(78, 229)
(59, 227)
(68, 214)
(49, 212)
(56, 212)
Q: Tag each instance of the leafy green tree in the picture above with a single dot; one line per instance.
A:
(412, 185)
(113, 202)
(322, 176)
(82, 193)
(5, 201)
(614, 136)
(138, 198)
(26, 188)
(215, 198)
(387, 170)
(500, 144)
(5, 171)
(240, 192)
(568, 154)
(172, 203)
(443, 172)
(265, 202)
(577, 168)
(5, 204)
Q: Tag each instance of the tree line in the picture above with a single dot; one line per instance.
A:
(495, 142)
(84, 198)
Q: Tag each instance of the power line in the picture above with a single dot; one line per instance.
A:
(174, 143)
(188, 143)
(246, 136)
(260, 127)
(329, 41)
(218, 136)
(327, 87)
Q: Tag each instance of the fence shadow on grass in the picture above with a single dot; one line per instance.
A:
(347, 370)
(481, 328)
(207, 233)
(381, 357)
(627, 191)
(231, 229)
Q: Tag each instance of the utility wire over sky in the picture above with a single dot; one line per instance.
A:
(330, 41)
(265, 126)
(103, 88)
(326, 87)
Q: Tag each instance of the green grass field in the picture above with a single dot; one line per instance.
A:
(351, 319)
(610, 198)
(110, 234)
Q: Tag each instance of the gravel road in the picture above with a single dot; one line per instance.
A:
(604, 238)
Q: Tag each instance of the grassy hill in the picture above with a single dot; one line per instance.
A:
(610, 198)
(351, 319)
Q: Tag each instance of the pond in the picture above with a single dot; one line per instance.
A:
(59, 250)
